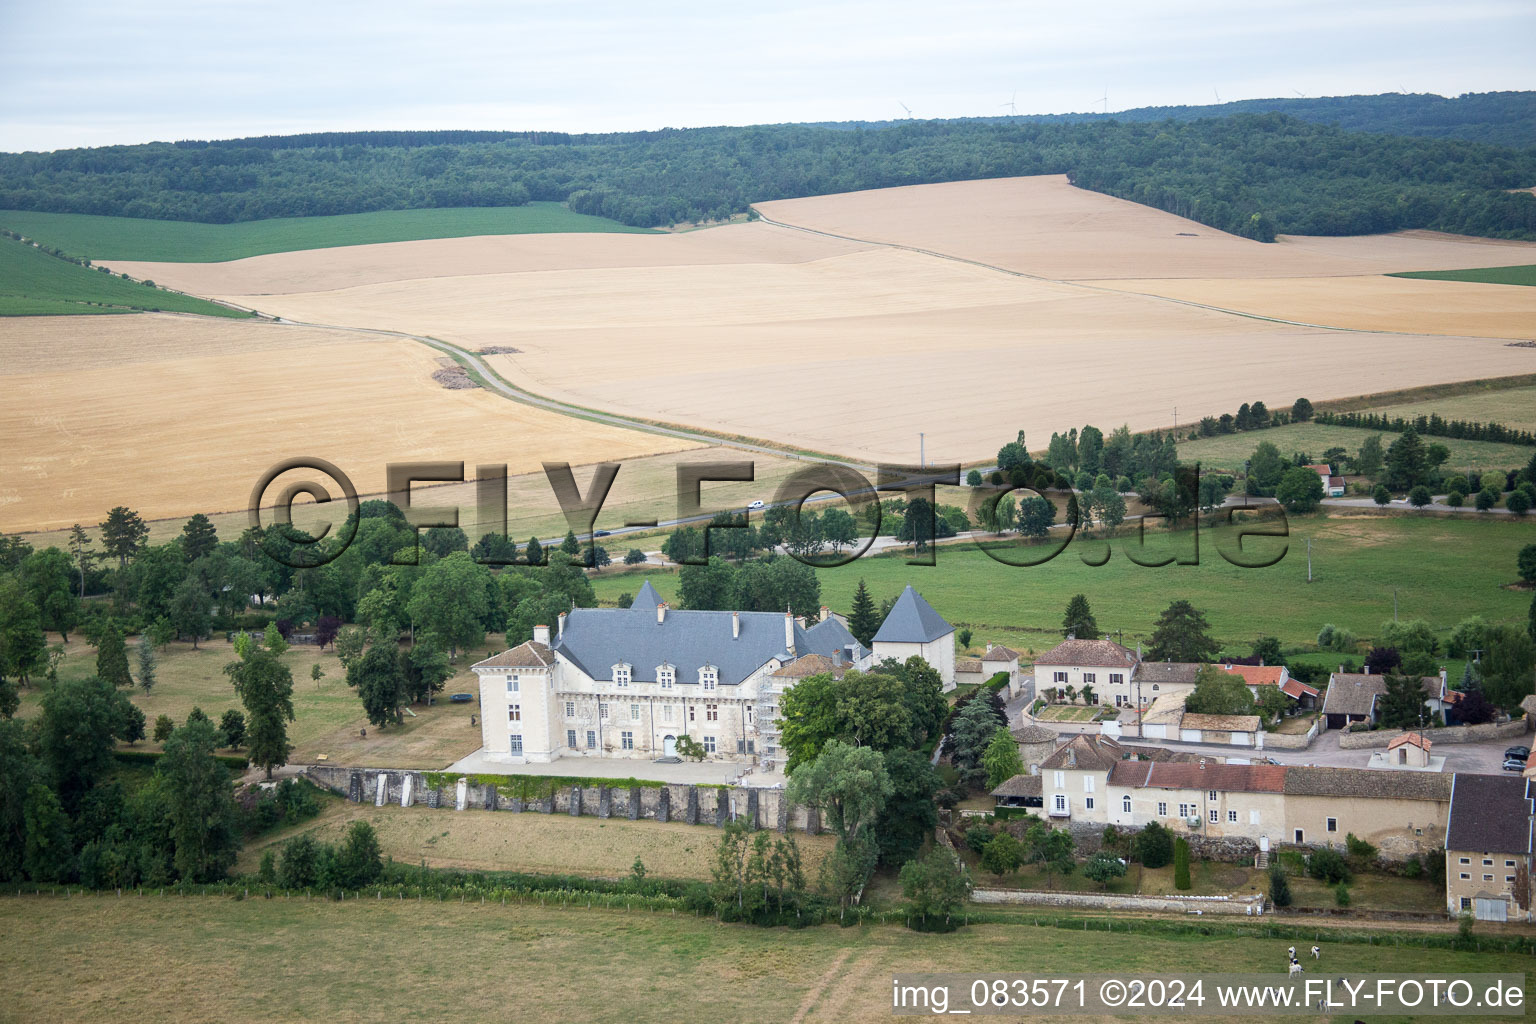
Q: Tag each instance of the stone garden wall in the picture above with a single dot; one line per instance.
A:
(1450, 734)
(535, 794)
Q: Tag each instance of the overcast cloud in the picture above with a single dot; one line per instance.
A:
(94, 73)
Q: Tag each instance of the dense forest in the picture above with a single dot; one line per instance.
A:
(1251, 174)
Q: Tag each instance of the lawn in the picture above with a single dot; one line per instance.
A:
(205, 959)
(1440, 569)
(539, 843)
(176, 241)
(1525, 275)
(1228, 451)
(33, 283)
(328, 716)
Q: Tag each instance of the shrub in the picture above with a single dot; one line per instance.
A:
(1181, 863)
(163, 728)
(1455, 499)
(1327, 865)
(1359, 848)
(977, 837)
(268, 870)
(1003, 854)
(1412, 867)
(300, 867)
(1279, 886)
(1153, 846)
(1341, 895)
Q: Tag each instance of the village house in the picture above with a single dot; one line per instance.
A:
(1351, 698)
(1489, 847)
(628, 682)
(1111, 674)
(1401, 813)
(1212, 799)
(913, 627)
(1278, 676)
(1333, 485)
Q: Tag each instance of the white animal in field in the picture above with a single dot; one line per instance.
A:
(1291, 952)
(1317, 954)
(1295, 968)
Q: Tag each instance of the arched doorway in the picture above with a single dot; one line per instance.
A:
(669, 746)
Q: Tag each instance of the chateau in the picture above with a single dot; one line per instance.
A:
(629, 682)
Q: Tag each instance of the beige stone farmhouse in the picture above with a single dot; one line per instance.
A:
(1489, 847)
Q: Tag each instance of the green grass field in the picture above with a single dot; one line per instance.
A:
(1525, 275)
(1442, 570)
(328, 716)
(33, 283)
(1513, 407)
(1227, 451)
(109, 958)
(129, 238)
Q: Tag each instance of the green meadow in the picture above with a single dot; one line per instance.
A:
(33, 283)
(175, 241)
(1525, 275)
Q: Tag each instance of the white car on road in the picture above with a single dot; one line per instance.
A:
(759, 503)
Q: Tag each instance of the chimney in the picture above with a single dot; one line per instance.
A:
(826, 613)
(989, 648)
(541, 635)
(1138, 650)
(1071, 636)
(560, 627)
(789, 632)
(1442, 683)
(661, 612)
(735, 625)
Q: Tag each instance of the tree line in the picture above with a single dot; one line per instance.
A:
(1433, 425)
(1250, 174)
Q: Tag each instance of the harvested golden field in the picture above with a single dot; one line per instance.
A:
(1365, 303)
(1044, 226)
(855, 354)
(549, 844)
(854, 347)
(173, 415)
(349, 267)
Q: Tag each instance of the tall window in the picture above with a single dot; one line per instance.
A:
(711, 712)
(709, 677)
(1061, 802)
(1232, 817)
(634, 712)
(709, 744)
(515, 713)
(1090, 678)
(666, 712)
(1162, 809)
(1088, 802)
(591, 738)
(666, 675)
(602, 711)
(570, 738)
(570, 711)
(512, 684)
(621, 675)
(627, 740)
(1087, 783)
(1333, 824)
(1059, 779)
(1125, 804)
(692, 711)
(516, 743)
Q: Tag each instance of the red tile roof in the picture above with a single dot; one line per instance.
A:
(1239, 778)
(1296, 688)
(1256, 675)
(1410, 737)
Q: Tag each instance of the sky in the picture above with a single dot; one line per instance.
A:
(95, 73)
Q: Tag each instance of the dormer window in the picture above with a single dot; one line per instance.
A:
(666, 675)
(709, 677)
(621, 675)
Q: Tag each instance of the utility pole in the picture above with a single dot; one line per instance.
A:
(1394, 604)
(1309, 559)
(922, 455)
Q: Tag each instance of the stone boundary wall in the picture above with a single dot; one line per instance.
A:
(690, 804)
(1450, 734)
(1293, 741)
(1247, 906)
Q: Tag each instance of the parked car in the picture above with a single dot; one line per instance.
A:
(602, 533)
(759, 503)
(1514, 764)
(1521, 752)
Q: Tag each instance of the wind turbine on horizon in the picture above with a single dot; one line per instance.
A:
(1104, 99)
(1013, 107)
(1218, 95)
(903, 106)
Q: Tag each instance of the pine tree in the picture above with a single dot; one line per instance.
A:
(80, 547)
(534, 551)
(198, 537)
(123, 533)
(112, 657)
(146, 663)
(862, 620)
(571, 546)
(1079, 620)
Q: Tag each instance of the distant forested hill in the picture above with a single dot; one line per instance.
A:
(1251, 174)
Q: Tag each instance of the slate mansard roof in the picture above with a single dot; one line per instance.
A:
(596, 639)
(912, 621)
